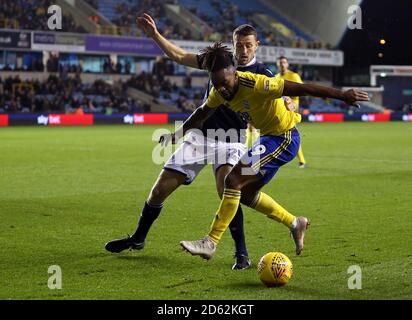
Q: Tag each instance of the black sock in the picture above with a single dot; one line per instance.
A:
(238, 233)
(148, 216)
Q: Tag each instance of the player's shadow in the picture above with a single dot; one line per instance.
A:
(143, 260)
(310, 294)
(247, 285)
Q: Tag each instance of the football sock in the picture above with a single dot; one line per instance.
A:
(249, 138)
(148, 216)
(227, 210)
(238, 233)
(265, 204)
(301, 158)
(252, 135)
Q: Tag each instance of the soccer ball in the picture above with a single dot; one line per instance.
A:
(275, 269)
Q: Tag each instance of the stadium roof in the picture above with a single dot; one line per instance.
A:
(387, 20)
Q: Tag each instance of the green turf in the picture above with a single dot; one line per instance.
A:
(66, 191)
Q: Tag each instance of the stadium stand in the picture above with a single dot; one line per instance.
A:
(31, 15)
(161, 88)
(204, 16)
(66, 94)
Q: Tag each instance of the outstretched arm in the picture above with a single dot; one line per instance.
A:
(195, 121)
(174, 52)
(349, 96)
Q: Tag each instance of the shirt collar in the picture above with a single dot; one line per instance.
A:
(253, 61)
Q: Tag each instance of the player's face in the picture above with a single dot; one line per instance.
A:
(283, 65)
(225, 82)
(245, 48)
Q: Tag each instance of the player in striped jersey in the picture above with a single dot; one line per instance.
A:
(258, 98)
(286, 74)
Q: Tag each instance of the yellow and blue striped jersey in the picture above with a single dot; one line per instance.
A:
(259, 99)
(294, 77)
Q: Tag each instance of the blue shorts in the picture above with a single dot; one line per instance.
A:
(269, 153)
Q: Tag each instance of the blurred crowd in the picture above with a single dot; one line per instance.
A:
(32, 15)
(64, 92)
(66, 95)
(156, 84)
(230, 16)
(222, 31)
(315, 44)
(110, 67)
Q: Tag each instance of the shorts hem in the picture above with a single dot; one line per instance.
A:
(224, 164)
(187, 182)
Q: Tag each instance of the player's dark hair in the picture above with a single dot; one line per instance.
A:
(217, 57)
(245, 30)
(283, 57)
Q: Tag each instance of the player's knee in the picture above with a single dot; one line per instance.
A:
(220, 186)
(159, 192)
(249, 196)
(220, 191)
(246, 199)
(232, 182)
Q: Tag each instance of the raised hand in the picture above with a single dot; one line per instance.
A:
(352, 96)
(290, 104)
(146, 22)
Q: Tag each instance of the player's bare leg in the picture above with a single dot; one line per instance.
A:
(167, 182)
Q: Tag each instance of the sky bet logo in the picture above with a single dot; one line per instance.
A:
(407, 117)
(46, 120)
(128, 119)
(133, 119)
(315, 118)
(43, 120)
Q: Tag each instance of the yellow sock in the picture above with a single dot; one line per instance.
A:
(301, 158)
(227, 210)
(251, 136)
(265, 204)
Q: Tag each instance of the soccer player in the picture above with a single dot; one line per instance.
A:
(258, 98)
(174, 174)
(286, 74)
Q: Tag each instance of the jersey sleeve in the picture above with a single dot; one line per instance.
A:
(297, 78)
(263, 69)
(270, 86)
(214, 100)
(268, 73)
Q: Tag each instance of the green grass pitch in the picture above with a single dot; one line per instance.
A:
(65, 191)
